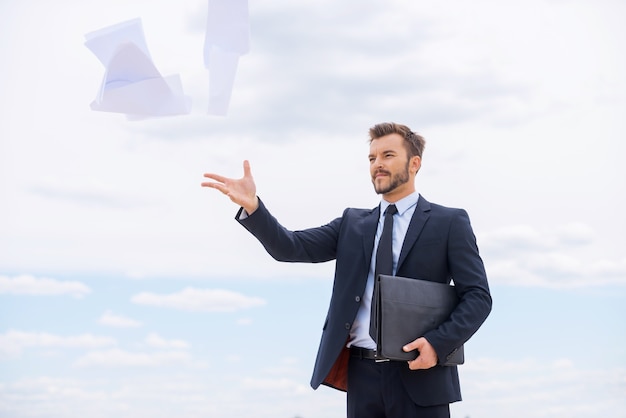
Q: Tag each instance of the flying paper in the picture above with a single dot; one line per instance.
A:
(132, 84)
(227, 38)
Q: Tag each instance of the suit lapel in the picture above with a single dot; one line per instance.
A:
(368, 226)
(420, 216)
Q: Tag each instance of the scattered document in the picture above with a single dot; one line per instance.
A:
(132, 84)
(227, 38)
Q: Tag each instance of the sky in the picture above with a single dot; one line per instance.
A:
(127, 290)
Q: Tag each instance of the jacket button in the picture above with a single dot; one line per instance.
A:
(348, 326)
(357, 299)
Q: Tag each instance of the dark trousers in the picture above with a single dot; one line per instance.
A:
(375, 390)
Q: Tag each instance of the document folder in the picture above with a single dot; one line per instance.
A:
(404, 309)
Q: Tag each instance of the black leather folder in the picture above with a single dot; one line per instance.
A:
(404, 309)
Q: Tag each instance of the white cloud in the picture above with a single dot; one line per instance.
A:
(563, 363)
(524, 237)
(521, 103)
(200, 300)
(576, 233)
(14, 342)
(554, 257)
(285, 385)
(30, 285)
(156, 341)
(534, 388)
(138, 396)
(122, 358)
(554, 270)
(310, 75)
(492, 388)
(50, 390)
(118, 321)
(520, 237)
(288, 366)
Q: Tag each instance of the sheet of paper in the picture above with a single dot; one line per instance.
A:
(227, 28)
(135, 87)
(222, 70)
(104, 42)
(227, 38)
(132, 84)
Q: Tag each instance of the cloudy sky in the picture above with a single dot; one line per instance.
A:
(127, 290)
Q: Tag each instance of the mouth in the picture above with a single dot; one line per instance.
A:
(379, 174)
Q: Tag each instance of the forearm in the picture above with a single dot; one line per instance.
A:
(312, 245)
(468, 273)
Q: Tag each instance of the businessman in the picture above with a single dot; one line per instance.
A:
(426, 241)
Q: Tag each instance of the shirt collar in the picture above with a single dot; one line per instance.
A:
(402, 205)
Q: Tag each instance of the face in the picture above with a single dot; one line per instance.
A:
(393, 173)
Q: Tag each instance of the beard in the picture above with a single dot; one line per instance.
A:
(397, 179)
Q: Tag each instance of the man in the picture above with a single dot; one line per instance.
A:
(430, 242)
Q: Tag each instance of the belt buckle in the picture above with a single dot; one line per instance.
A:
(378, 359)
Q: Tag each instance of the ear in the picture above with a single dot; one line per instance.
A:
(415, 164)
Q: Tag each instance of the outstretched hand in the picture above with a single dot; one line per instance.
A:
(427, 356)
(241, 191)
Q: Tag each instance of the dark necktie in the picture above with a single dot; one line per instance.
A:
(384, 253)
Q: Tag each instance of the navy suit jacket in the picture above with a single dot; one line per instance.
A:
(439, 246)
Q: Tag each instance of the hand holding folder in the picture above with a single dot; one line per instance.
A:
(404, 309)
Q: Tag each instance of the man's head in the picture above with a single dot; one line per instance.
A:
(413, 142)
(395, 158)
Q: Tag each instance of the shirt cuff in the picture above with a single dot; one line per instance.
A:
(242, 215)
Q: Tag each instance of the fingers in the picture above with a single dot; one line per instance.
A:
(426, 358)
(246, 169)
(215, 177)
(209, 184)
(247, 172)
(219, 186)
(415, 345)
(417, 364)
(240, 191)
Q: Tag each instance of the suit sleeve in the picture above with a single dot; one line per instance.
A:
(468, 273)
(314, 245)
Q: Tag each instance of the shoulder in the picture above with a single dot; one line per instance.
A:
(359, 212)
(440, 210)
(455, 220)
(358, 216)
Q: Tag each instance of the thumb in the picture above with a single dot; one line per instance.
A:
(415, 345)
(246, 169)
